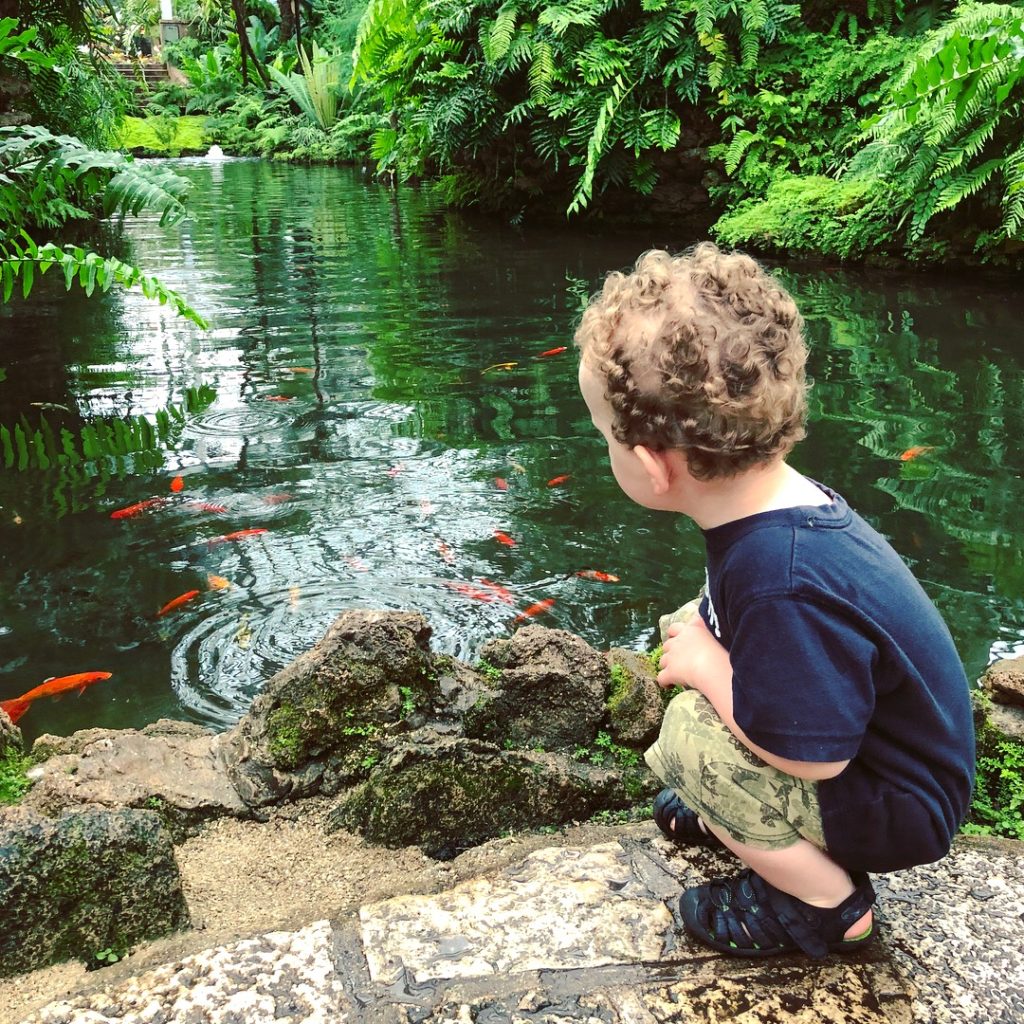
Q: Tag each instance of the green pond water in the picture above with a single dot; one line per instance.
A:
(376, 480)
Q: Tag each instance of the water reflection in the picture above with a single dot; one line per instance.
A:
(356, 421)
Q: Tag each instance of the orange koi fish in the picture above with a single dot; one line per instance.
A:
(500, 366)
(55, 686)
(503, 593)
(501, 483)
(217, 582)
(553, 351)
(238, 535)
(300, 369)
(276, 499)
(534, 609)
(277, 398)
(918, 449)
(189, 595)
(556, 480)
(504, 538)
(445, 552)
(178, 484)
(207, 506)
(467, 591)
(139, 506)
(596, 574)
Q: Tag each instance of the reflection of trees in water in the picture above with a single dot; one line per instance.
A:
(905, 366)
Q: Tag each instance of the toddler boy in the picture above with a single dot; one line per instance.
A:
(824, 727)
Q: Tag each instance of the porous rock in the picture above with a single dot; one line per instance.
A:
(550, 693)
(84, 882)
(10, 737)
(635, 704)
(1004, 680)
(448, 793)
(173, 768)
(324, 711)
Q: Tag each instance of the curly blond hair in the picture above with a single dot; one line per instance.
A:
(703, 352)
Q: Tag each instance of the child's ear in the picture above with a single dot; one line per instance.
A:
(658, 466)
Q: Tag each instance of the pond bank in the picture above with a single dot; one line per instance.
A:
(949, 952)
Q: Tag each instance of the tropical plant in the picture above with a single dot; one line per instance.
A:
(950, 127)
(315, 91)
(593, 85)
(47, 180)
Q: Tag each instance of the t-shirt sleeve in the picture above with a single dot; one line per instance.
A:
(802, 680)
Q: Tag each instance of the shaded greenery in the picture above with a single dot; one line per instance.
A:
(164, 135)
(14, 782)
(998, 805)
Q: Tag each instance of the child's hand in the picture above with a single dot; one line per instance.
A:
(686, 653)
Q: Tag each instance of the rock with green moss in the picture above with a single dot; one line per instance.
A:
(11, 742)
(549, 691)
(635, 704)
(323, 714)
(84, 882)
(447, 793)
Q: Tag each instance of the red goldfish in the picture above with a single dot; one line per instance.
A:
(238, 535)
(189, 595)
(501, 483)
(556, 480)
(395, 470)
(178, 484)
(503, 593)
(596, 574)
(277, 398)
(53, 687)
(467, 591)
(276, 499)
(535, 609)
(554, 351)
(134, 510)
(504, 538)
(356, 563)
(918, 449)
(445, 552)
(207, 506)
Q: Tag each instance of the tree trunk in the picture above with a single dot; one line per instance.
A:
(287, 19)
(240, 12)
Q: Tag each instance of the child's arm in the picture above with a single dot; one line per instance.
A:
(693, 657)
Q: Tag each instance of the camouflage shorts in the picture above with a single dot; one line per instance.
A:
(729, 785)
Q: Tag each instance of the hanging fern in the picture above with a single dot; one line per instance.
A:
(950, 126)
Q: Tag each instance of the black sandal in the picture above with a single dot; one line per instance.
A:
(680, 824)
(747, 916)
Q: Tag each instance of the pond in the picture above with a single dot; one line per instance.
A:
(348, 406)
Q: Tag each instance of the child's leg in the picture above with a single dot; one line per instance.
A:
(801, 870)
(770, 820)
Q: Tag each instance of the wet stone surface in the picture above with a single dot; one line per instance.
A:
(589, 935)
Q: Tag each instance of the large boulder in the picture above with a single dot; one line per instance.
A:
(548, 690)
(73, 886)
(173, 768)
(447, 793)
(324, 715)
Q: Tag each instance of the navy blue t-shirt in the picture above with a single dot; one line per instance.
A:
(837, 653)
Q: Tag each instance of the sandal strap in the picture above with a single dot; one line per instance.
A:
(817, 929)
